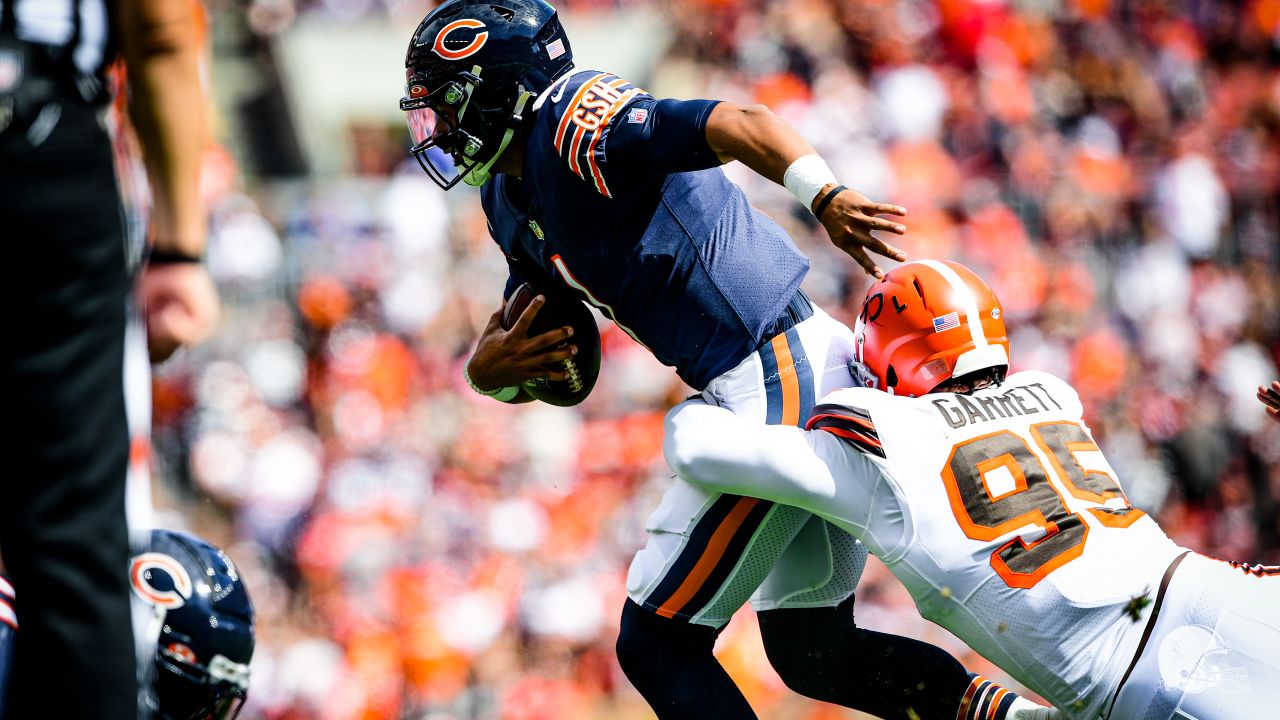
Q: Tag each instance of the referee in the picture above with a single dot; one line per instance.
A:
(65, 285)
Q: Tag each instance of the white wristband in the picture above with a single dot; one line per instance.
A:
(806, 177)
(506, 394)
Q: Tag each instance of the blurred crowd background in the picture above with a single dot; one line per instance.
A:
(417, 551)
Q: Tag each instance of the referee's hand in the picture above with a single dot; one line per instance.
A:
(181, 306)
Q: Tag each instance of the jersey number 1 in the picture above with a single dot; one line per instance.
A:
(1033, 499)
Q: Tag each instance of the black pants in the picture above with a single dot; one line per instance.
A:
(64, 285)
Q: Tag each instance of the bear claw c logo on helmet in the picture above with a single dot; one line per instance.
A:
(477, 40)
(140, 576)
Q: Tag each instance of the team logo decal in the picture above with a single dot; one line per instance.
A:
(466, 41)
(181, 652)
(160, 580)
(946, 322)
(555, 49)
(1194, 658)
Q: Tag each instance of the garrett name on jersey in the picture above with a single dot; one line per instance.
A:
(961, 410)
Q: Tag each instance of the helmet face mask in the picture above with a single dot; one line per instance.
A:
(472, 70)
(444, 150)
(189, 693)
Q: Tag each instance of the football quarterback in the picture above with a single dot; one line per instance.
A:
(594, 187)
(988, 498)
(200, 637)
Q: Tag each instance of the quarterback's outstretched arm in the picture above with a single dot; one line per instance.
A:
(759, 139)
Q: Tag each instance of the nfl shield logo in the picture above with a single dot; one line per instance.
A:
(637, 115)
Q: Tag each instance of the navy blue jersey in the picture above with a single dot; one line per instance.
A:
(8, 636)
(621, 199)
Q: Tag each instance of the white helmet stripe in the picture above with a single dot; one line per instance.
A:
(964, 295)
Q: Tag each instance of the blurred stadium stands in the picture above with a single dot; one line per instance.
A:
(416, 551)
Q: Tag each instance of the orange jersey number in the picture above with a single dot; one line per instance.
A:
(1032, 498)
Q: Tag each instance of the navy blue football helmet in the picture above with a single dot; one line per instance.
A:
(202, 622)
(472, 72)
(200, 670)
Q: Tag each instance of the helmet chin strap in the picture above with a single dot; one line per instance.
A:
(478, 176)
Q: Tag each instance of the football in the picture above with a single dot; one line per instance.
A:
(560, 309)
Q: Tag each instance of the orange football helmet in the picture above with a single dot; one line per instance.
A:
(926, 322)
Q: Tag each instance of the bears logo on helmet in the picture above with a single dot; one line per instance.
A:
(473, 70)
(169, 593)
(472, 46)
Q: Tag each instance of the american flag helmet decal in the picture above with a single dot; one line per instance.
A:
(946, 322)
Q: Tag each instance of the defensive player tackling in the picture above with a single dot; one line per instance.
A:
(988, 498)
(596, 188)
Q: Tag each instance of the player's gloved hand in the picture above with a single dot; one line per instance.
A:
(849, 219)
(1270, 396)
(506, 358)
(180, 303)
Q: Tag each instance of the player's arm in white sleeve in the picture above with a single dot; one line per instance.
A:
(711, 447)
(759, 139)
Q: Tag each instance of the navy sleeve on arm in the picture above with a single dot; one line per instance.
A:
(616, 136)
(656, 137)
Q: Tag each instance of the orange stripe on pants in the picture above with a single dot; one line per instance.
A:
(787, 377)
(710, 557)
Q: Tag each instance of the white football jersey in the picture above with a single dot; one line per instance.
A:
(1006, 523)
(996, 510)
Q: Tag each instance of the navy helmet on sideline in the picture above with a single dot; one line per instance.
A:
(202, 626)
(204, 619)
(473, 70)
